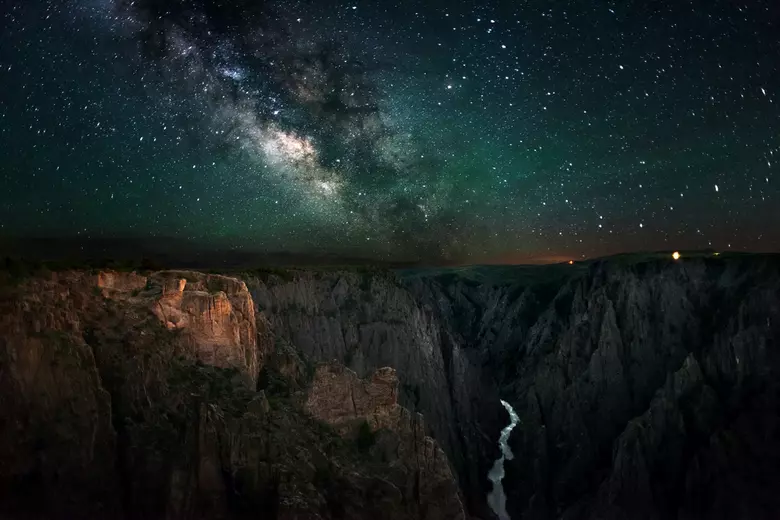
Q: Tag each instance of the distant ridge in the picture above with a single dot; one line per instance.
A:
(157, 252)
(167, 252)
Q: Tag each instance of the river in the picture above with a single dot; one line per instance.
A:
(497, 497)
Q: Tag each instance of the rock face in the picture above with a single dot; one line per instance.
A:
(111, 412)
(645, 388)
(369, 320)
(338, 397)
(217, 316)
(120, 281)
(628, 377)
(57, 442)
(582, 353)
(370, 407)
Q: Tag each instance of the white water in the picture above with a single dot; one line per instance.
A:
(497, 497)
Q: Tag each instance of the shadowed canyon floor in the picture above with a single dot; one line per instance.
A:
(644, 388)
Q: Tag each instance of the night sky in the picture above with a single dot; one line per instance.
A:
(451, 131)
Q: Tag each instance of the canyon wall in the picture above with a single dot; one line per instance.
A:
(644, 388)
(165, 396)
(369, 320)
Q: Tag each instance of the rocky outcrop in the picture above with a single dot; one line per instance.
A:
(120, 281)
(216, 315)
(369, 320)
(109, 412)
(338, 397)
(363, 409)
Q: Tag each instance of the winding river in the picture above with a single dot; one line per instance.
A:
(497, 497)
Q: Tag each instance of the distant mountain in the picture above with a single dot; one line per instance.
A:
(167, 252)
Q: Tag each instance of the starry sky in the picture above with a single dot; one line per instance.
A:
(436, 131)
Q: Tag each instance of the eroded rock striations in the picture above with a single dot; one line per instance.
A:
(216, 314)
(127, 396)
(368, 410)
(369, 320)
(645, 388)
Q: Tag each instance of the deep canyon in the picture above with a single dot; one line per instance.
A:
(644, 388)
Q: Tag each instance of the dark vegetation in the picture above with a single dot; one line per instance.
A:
(366, 437)
(349, 355)
(412, 390)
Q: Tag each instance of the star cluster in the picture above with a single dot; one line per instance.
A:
(432, 131)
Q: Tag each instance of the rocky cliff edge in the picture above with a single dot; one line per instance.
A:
(147, 396)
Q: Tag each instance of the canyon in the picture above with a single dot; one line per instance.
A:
(644, 388)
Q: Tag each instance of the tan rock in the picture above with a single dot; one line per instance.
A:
(340, 398)
(119, 281)
(216, 315)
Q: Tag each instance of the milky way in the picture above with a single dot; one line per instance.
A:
(436, 131)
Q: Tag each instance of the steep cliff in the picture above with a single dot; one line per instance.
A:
(368, 320)
(644, 387)
(127, 396)
(57, 443)
(368, 412)
(217, 315)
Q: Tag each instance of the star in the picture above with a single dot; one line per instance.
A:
(317, 127)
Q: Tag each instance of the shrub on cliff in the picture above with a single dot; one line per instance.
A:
(366, 437)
